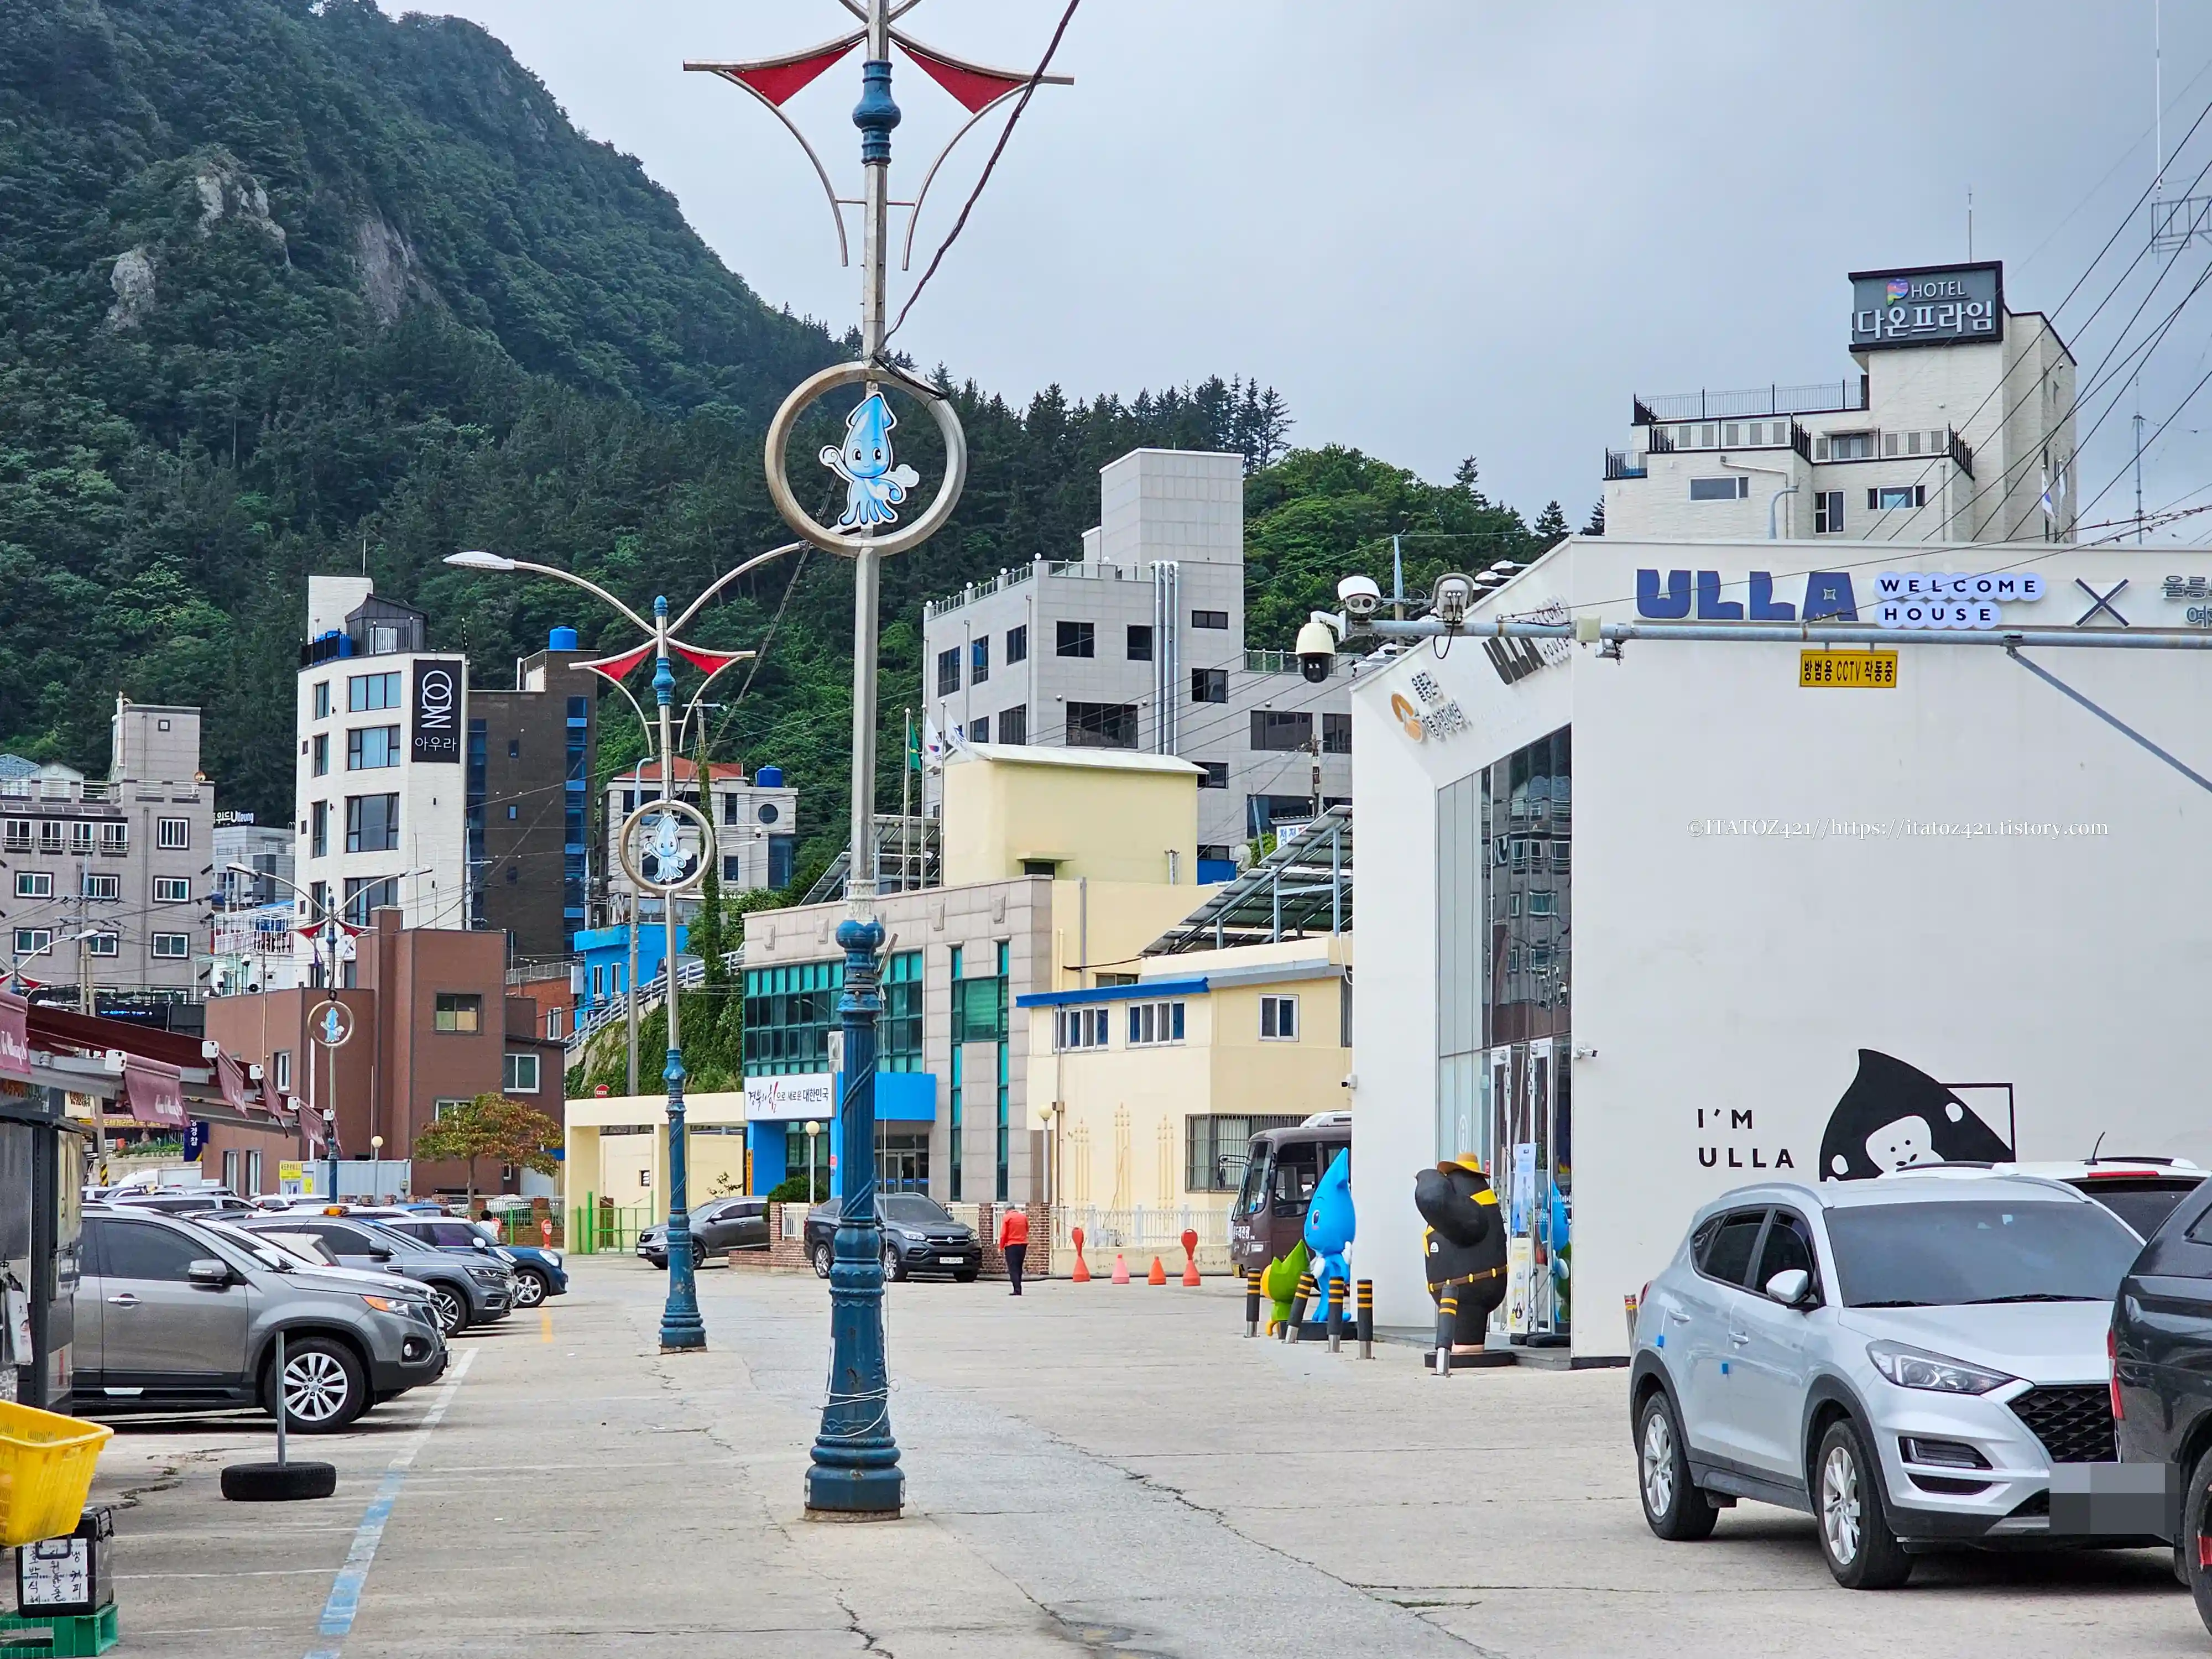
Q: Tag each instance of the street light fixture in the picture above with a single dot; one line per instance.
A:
(682, 1329)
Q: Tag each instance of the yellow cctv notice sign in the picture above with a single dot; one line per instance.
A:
(1848, 670)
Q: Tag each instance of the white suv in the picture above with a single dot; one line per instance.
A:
(1905, 1360)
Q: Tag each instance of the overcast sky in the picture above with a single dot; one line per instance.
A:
(1443, 228)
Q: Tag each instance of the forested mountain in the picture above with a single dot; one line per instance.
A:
(291, 286)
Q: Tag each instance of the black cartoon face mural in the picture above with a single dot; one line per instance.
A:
(1894, 1115)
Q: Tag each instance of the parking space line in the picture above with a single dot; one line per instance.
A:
(344, 1600)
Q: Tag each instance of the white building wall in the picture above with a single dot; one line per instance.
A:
(1769, 879)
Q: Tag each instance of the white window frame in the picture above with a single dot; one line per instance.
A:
(280, 1071)
(1155, 1024)
(173, 890)
(1273, 1010)
(173, 835)
(114, 838)
(41, 939)
(34, 884)
(516, 1066)
(441, 1107)
(97, 886)
(173, 947)
(18, 833)
(94, 942)
(1081, 1028)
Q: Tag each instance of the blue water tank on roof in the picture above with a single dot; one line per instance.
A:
(563, 639)
(769, 777)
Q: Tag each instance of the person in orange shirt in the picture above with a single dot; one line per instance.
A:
(1014, 1244)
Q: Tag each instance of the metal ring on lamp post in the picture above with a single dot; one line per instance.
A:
(819, 385)
(681, 808)
(339, 1031)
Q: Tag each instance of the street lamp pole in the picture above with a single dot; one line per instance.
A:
(682, 1329)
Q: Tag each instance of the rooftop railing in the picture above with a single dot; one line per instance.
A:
(1008, 577)
(1825, 397)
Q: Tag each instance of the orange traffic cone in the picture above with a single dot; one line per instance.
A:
(1121, 1269)
(1158, 1275)
(1082, 1273)
(1189, 1257)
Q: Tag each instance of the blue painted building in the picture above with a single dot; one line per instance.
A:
(606, 953)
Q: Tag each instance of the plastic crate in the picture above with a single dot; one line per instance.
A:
(65, 1638)
(46, 1472)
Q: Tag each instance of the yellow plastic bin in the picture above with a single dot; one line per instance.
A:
(46, 1472)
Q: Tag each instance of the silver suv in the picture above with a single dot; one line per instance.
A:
(173, 1317)
(1905, 1360)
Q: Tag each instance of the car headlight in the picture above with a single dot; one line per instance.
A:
(553, 1256)
(487, 1275)
(405, 1309)
(1917, 1368)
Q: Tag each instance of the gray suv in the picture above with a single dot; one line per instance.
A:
(171, 1316)
(462, 1292)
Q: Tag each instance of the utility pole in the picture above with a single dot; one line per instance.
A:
(629, 989)
(2138, 426)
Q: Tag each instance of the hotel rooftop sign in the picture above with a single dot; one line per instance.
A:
(1933, 305)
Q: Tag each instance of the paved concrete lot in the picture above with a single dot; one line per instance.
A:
(1090, 1470)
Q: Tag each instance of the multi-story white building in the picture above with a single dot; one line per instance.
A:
(1958, 427)
(381, 790)
(1140, 644)
(106, 879)
(253, 947)
(756, 826)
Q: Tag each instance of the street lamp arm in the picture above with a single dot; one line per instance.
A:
(324, 912)
(482, 561)
(726, 578)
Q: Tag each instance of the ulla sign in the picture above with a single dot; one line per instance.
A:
(1903, 599)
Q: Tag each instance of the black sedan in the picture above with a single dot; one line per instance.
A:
(2161, 1343)
(717, 1225)
(920, 1236)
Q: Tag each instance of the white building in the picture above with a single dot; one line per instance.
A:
(1140, 644)
(1664, 920)
(380, 787)
(756, 826)
(255, 908)
(1958, 426)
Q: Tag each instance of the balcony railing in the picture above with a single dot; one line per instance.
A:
(1009, 577)
(1828, 397)
(1620, 464)
(87, 789)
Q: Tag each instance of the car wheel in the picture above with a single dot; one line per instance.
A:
(2196, 1545)
(324, 1383)
(1862, 1553)
(529, 1288)
(1674, 1507)
(894, 1269)
(448, 1309)
(823, 1258)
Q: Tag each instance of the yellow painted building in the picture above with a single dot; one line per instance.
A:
(616, 1147)
(1151, 1088)
(1111, 815)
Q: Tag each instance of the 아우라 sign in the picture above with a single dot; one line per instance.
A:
(1933, 305)
(437, 709)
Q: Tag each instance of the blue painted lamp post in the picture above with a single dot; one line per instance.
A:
(662, 856)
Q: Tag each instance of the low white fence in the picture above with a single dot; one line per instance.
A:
(1139, 1235)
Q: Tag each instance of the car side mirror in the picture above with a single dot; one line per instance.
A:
(478, 1241)
(1792, 1287)
(379, 1255)
(214, 1275)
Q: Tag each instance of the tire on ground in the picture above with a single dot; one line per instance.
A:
(1675, 1508)
(1846, 1487)
(278, 1483)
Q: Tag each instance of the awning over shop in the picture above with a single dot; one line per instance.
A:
(153, 1093)
(14, 1039)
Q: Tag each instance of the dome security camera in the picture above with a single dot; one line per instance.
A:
(1316, 651)
(1359, 596)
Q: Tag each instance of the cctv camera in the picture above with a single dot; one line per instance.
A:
(1316, 651)
(1450, 597)
(1359, 596)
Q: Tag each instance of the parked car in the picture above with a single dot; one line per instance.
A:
(920, 1235)
(1906, 1360)
(2162, 1379)
(538, 1272)
(2141, 1191)
(175, 1316)
(462, 1293)
(186, 1202)
(719, 1225)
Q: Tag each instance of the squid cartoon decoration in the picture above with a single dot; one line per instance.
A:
(1328, 1230)
(874, 484)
